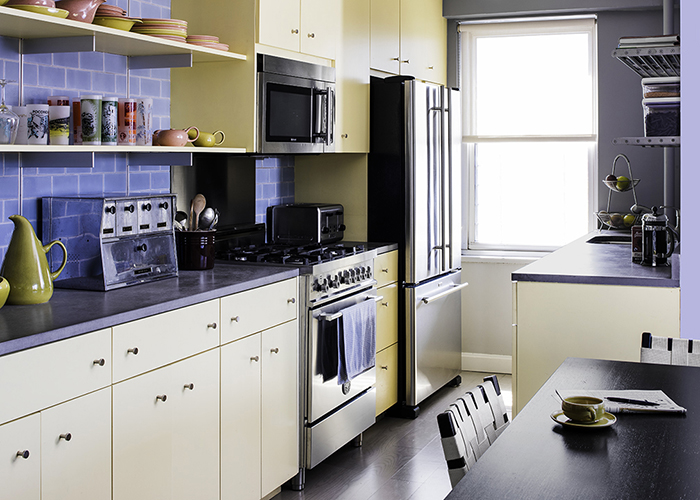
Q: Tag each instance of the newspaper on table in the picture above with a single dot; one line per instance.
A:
(665, 404)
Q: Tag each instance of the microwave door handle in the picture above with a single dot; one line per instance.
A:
(330, 116)
(318, 116)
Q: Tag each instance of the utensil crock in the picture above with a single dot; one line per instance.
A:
(25, 265)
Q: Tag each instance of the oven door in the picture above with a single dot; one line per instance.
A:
(325, 397)
(296, 115)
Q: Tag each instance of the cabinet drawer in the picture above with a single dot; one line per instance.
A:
(149, 343)
(47, 375)
(386, 268)
(388, 316)
(258, 309)
(387, 378)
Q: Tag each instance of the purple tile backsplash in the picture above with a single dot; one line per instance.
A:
(73, 74)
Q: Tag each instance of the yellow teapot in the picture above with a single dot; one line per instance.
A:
(25, 266)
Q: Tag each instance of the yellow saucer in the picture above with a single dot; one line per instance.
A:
(41, 9)
(607, 420)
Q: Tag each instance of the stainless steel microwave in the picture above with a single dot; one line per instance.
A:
(296, 106)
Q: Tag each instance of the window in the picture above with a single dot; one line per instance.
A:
(529, 121)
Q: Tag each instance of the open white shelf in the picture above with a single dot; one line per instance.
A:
(651, 61)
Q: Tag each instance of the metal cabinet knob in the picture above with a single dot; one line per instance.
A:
(275, 350)
(67, 436)
(100, 362)
(385, 304)
(344, 136)
(385, 271)
(295, 32)
(431, 67)
(212, 326)
(24, 454)
(406, 61)
(133, 350)
(162, 397)
(236, 318)
(395, 59)
(385, 367)
(255, 358)
(189, 386)
(311, 35)
(291, 301)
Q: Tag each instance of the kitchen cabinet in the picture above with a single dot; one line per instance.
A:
(306, 26)
(20, 469)
(409, 37)
(553, 321)
(387, 357)
(166, 432)
(352, 79)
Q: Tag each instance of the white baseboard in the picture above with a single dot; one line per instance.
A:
(491, 363)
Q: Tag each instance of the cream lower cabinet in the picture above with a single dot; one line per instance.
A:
(259, 412)
(553, 321)
(386, 274)
(166, 432)
(20, 466)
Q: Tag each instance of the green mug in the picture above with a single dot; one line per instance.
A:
(208, 140)
(583, 409)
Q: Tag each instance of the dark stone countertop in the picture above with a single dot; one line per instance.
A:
(598, 264)
(73, 312)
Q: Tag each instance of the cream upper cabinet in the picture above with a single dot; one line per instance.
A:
(20, 467)
(76, 449)
(307, 26)
(352, 79)
(409, 37)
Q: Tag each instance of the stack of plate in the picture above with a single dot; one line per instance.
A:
(106, 10)
(169, 29)
(114, 17)
(210, 41)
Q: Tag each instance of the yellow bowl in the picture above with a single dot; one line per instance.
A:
(118, 23)
(40, 9)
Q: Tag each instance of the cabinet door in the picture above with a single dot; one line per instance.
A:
(20, 478)
(195, 427)
(424, 40)
(386, 268)
(240, 419)
(387, 316)
(384, 47)
(352, 79)
(279, 24)
(141, 437)
(280, 413)
(76, 449)
(387, 378)
(319, 27)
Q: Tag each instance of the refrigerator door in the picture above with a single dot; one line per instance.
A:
(424, 181)
(433, 335)
(452, 177)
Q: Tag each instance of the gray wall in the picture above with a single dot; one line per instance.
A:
(463, 9)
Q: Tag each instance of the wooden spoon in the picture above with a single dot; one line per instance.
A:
(199, 203)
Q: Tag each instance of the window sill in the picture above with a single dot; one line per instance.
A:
(501, 256)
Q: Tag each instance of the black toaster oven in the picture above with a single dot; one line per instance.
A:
(305, 223)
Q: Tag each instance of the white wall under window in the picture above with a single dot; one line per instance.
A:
(529, 119)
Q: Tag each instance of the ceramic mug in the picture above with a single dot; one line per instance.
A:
(206, 139)
(91, 119)
(37, 123)
(583, 409)
(174, 137)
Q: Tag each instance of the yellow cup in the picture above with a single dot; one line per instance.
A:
(208, 140)
(583, 409)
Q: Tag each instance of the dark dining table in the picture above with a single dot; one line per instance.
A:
(640, 456)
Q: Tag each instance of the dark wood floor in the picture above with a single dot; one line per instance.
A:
(399, 459)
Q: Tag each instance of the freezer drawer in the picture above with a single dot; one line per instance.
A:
(433, 335)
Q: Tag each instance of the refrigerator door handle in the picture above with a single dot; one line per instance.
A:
(450, 291)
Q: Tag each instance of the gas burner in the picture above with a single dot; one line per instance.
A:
(291, 255)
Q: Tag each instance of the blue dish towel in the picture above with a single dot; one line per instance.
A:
(357, 338)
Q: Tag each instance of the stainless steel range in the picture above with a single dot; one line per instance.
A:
(333, 277)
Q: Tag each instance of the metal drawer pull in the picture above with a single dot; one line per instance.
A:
(275, 350)
(385, 367)
(385, 270)
(133, 350)
(162, 397)
(455, 288)
(311, 35)
(212, 325)
(295, 32)
(67, 436)
(100, 362)
(291, 301)
(395, 59)
(235, 318)
(344, 136)
(406, 61)
(338, 315)
(24, 454)
(385, 304)
(255, 358)
(189, 386)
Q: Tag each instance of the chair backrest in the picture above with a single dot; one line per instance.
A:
(469, 426)
(669, 351)
(493, 396)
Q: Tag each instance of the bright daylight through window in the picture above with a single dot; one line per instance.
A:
(529, 126)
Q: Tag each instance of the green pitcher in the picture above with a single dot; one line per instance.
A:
(25, 266)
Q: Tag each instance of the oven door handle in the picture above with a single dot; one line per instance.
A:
(338, 315)
(453, 289)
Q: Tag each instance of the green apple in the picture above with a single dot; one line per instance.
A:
(622, 183)
(628, 220)
(616, 220)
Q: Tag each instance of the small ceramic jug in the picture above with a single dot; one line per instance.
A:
(25, 265)
(174, 137)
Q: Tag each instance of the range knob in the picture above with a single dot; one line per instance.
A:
(325, 230)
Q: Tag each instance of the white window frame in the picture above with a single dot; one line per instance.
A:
(511, 27)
